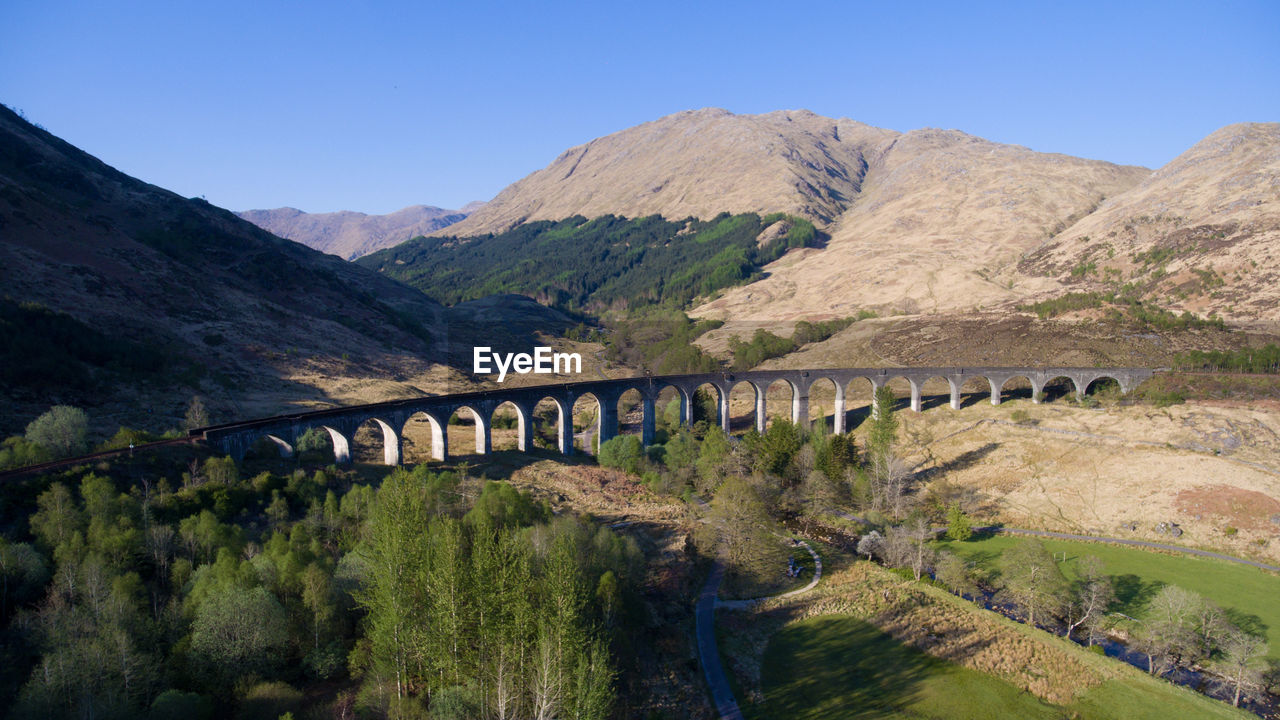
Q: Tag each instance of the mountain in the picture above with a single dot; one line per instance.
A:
(922, 221)
(932, 221)
(252, 321)
(939, 225)
(697, 163)
(350, 235)
(1201, 233)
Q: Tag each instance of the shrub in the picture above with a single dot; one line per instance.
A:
(178, 705)
(623, 452)
(326, 661)
(959, 526)
(269, 701)
(17, 451)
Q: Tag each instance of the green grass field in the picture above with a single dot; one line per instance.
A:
(1248, 594)
(841, 667)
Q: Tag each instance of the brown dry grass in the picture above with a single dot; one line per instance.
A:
(1076, 470)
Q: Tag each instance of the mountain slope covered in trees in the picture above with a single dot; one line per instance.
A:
(582, 264)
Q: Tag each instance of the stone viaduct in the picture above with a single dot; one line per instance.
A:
(391, 417)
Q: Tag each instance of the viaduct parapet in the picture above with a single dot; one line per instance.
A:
(391, 417)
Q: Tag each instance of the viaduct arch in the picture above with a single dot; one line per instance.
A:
(391, 417)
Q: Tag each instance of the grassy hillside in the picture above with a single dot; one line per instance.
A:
(839, 666)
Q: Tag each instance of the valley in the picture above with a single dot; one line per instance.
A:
(234, 580)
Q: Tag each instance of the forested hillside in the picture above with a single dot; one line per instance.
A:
(216, 594)
(594, 265)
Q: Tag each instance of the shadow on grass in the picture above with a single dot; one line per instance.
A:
(1133, 593)
(960, 462)
(841, 667)
(987, 532)
(1247, 622)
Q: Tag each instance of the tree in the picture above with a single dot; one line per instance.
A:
(593, 683)
(1033, 580)
(18, 451)
(57, 518)
(743, 523)
(959, 526)
(714, 454)
(954, 572)
(884, 426)
(1090, 596)
(608, 598)
(197, 416)
(22, 574)
(318, 597)
(393, 592)
(623, 452)
(62, 430)
(1168, 628)
(775, 448)
(238, 632)
(889, 477)
(445, 582)
(922, 555)
(871, 544)
(1240, 666)
(908, 546)
(1211, 625)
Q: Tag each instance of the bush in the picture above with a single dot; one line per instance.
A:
(454, 703)
(959, 526)
(326, 661)
(269, 701)
(125, 437)
(178, 705)
(623, 452)
(17, 451)
(1165, 398)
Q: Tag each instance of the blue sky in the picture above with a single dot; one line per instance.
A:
(373, 106)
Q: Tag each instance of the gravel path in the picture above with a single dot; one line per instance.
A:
(817, 575)
(704, 622)
(705, 629)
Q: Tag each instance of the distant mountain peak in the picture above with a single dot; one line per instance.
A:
(349, 234)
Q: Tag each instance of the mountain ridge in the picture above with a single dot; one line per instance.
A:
(920, 222)
(252, 321)
(349, 234)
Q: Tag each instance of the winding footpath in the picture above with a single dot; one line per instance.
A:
(705, 630)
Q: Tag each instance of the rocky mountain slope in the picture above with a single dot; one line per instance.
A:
(936, 221)
(697, 163)
(350, 235)
(250, 320)
(938, 227)
(1201, 233)
(923, 221)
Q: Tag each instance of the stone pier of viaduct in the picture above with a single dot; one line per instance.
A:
(391, 417)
